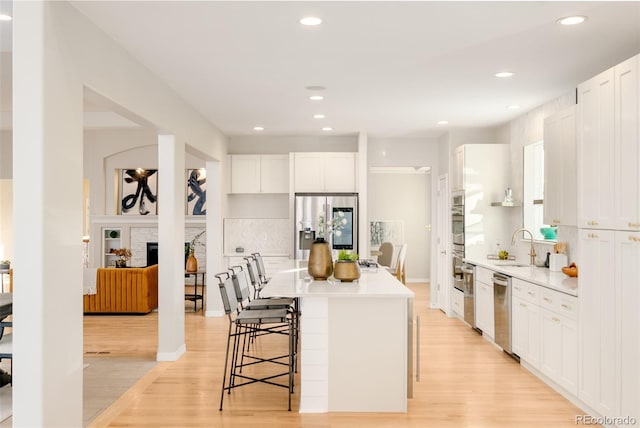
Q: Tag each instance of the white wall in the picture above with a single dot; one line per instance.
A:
(411, 152)
(57, 53)
(522, 131)
(286, 144)
(6, 196)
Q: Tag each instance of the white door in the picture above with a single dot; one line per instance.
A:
(443, 244)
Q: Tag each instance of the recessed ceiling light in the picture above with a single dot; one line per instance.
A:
(316, 98)
(4, 17)
(258, 128)
(327, 128)
(504, 74)
(311, 21)
(572, 20)
(513, 107)
(315, 88)
(318, 116)
(443, 122)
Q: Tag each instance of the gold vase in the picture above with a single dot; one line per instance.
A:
(346, 270)
(192, 264)
(320, 264)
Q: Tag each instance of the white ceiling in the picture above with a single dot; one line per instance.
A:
(390, 68)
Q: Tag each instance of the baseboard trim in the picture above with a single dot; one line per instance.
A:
(172, 356)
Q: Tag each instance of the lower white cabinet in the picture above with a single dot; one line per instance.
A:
(525, 331)
(484, 308)
(457, 302)
(559, 350)
(599, 361)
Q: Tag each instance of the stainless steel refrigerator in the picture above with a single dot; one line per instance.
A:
(309, 206)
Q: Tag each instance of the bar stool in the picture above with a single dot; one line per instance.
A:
(244, 324)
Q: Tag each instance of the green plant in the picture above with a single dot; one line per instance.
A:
(346, 255)
(5, 262)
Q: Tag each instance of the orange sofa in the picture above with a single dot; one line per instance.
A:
(124, 290)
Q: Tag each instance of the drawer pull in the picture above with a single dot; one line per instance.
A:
(556, 319)
(548, 300)
(523, 305)
(566, 306)
(520, 289)
(530, 293)
(635, 225)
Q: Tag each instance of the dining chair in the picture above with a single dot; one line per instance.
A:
(385, 259)
(243, 324)
(262, 273)
(399, 270)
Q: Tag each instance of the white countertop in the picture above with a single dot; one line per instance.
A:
(296, 282)
(248, 253)
(538, 275)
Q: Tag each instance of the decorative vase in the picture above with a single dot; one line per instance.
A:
(192, 264)
(121, 263)
(346, 270)
(320, 264)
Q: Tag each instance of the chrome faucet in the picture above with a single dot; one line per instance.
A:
(533, 250)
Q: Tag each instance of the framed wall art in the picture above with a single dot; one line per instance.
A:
(138, 191)
(386, 231)
(196, 191)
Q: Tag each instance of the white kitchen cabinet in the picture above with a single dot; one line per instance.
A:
(627, 144)
(484, 302)
(598, 367)
(457, 302)
(596, 163)
(525, 321)
(560, 177)
(559, 344)
(627, 268)
(608, 121)
(325, 172)
(259, 174)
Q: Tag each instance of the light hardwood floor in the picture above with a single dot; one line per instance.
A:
(464, 382)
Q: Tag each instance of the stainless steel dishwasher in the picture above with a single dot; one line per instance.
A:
(502, 310)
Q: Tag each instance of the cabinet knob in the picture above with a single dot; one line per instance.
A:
(523, 305)
(530, 293)
(556, 319)
(548, 300)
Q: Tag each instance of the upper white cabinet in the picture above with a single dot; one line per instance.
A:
(560, 186)
(325, 172)
(608, 153)
(259, 174)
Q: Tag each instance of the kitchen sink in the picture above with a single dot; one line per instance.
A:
(511, 264)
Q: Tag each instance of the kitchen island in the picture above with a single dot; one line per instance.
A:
(355, 340)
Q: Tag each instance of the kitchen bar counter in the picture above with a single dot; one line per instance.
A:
(355, 340)
(538, 275)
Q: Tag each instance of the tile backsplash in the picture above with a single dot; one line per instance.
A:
(266, 236)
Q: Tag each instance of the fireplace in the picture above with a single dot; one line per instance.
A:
(152, 253)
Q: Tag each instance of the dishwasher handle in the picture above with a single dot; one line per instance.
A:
(467, 270)
(501, 280)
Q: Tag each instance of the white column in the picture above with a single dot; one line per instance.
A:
(47, 172)
(171, 212)
(363, 199)
(214, 237)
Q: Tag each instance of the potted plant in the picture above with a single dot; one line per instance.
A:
(5, 264)
(320, 263)
(124, 254)
(346, 268)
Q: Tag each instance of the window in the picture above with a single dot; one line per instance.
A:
(533, 193)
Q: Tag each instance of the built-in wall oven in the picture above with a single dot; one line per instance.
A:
(457, 238)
